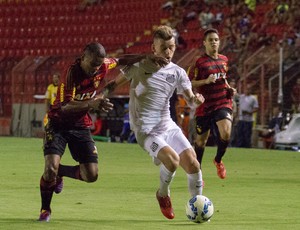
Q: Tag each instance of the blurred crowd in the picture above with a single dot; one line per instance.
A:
(243, 26)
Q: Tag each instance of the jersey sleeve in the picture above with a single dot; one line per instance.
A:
(47, 94)
(130, 71)
(110, 63)
(184, 82)
(67, 89)
(192, 72)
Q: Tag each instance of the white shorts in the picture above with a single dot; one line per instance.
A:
(173, 138)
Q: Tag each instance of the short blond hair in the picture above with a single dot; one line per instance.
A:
(163, 32)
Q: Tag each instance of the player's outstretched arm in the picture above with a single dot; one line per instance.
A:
(130, 59)
(113, 84)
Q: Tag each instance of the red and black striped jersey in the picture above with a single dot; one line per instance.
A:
(78, 86)
(215, 94)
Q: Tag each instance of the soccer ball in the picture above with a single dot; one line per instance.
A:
(199, 209)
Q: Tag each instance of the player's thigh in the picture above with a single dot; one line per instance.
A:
(203, 130)
(55, 141)
(82, 146)
(157, 146)
(224, 127)
(169, 158)
(223, 120)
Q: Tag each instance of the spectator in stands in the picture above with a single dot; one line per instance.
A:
(179, 40)
(282, 11)
(219, 17)
(275, 126)
(85, 3)
(297, 41)
(206, 18)
(244, 31)
(251, 4)
(191, 14)
(168, 5)
(260, 35)
(235, 101)
(248, 105)
(296, 96)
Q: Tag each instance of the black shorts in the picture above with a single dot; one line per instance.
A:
(205, 123)
(80, 143)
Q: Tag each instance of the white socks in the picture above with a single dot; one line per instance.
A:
(195, 183)
(166, 178)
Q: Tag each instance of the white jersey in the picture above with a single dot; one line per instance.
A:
(150, 94)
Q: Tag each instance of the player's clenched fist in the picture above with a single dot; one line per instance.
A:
(198, 99)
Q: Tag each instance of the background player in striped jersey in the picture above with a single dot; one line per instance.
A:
(208, 76)
(69, 121)
(150, 92)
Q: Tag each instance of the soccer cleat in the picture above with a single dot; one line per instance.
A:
(45, 216)
(59, 185)
(165, 206)
(221, 170)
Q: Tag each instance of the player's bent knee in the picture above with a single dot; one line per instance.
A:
(90, 178)
(200, 144)
(171, 164)
(50, 173)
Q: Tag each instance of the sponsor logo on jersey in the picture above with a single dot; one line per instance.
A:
(220, 75)
(154, 146)
(170, 78)
(85, 96)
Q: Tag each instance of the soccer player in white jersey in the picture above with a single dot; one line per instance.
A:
(150, 90)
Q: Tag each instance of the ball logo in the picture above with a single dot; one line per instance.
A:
(205, 208)
(193, 208)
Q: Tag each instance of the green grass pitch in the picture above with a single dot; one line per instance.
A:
(261, 191)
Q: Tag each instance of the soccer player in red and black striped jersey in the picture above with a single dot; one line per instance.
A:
(208, 76)
(69, 122)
